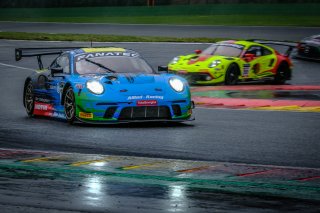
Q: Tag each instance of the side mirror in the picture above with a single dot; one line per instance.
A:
(198, 52)
(249, 56)
(56, 70)
(162, 69)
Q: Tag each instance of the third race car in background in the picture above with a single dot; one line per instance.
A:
(229, 62)
(309, 48)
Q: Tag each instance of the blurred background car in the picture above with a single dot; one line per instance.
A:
(309, 48)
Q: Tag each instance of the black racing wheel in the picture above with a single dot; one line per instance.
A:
(69, 105)
(29, 98)
(232, 75)
(282, 74)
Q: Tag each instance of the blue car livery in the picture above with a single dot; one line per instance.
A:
(103, 85)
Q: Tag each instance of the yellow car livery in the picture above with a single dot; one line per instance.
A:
(229, 62)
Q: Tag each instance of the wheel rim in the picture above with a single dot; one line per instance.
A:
(28, 98)
(69, 105)
(281, 74)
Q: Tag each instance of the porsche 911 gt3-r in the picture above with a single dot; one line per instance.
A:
(103, 85)
(229, 62)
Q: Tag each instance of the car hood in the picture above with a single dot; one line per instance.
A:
(195, 60)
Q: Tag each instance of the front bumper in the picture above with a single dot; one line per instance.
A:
(114, 112)
(201, 78)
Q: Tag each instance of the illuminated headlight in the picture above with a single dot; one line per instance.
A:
(214, 63)
(175, 60)
(95, 87)
(176, 84)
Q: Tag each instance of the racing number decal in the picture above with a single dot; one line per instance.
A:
(246, 69)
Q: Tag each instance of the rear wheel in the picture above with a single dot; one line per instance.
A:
(282, 74)
(232, 75)
(69, 105)
(29, 98)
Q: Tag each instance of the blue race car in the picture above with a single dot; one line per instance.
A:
(103, 85)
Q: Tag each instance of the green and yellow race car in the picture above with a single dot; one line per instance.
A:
(229, 62)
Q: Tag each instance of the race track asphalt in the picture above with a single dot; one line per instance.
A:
(261, 137)
(232, 32)
(231, 141)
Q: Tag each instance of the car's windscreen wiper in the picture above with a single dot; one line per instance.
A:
(100, 65)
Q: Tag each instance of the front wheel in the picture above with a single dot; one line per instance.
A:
(29, 99)
(232, 75)
(70, 106)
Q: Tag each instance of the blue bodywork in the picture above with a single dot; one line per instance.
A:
(127, 96)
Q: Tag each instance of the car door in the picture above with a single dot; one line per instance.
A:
(56, 81)
(260, 63)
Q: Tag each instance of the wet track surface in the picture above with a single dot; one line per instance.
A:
(245, 32)
(99, 183)
(218, 135)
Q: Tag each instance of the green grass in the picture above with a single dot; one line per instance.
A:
(99, 38)
(232, 20)
(213, 14)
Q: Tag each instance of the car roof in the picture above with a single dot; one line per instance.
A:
(244, 43)
(101, 49)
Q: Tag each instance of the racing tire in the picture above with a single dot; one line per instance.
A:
(29, 99)
(69, 105)
(232, 75)
(282, 74)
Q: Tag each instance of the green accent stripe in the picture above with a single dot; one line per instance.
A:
(198, 182)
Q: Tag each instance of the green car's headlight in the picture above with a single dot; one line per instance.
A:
(176, 84)
(175, 60)
(215, 63)
(95, 87)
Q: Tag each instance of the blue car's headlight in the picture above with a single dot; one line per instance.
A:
(95, 87)
(175, 60)
(176, 84)
(215, 63)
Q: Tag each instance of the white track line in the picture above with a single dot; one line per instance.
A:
(13, 66)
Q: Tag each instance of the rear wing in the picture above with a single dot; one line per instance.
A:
(38, 52)
(278, 45)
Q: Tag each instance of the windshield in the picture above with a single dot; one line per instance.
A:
(231, 50)
(118, 64)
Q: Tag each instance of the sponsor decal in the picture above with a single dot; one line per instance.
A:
(104, 54)
(136, 97)
(154, 97)
(147, 103)
(43, 109)
(43, 100)
(58, 115)
(85, 115)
